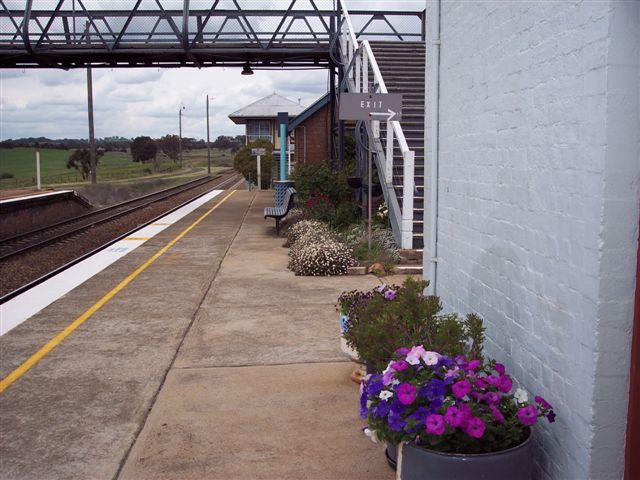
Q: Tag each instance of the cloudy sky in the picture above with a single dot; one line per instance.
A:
(145, 101)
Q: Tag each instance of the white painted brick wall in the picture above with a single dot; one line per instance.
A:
(539, 206)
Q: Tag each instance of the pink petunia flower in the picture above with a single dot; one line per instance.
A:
(400, 365)
(497, 414)
(528, 415)
(475, 427)
(406, 393)
(461, 388)
(435, 424)
(455, 417)
(505, 383)
(473, 365)
(500, 368)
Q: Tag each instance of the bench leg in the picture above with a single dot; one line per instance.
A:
(278, 226)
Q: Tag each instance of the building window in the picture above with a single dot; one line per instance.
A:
(258, 129)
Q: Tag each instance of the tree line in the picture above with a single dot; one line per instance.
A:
(122, 144)
(143, 149)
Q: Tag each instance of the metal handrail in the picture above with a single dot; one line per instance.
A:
(357, 80)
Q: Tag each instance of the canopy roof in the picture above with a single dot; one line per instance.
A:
(267, 107)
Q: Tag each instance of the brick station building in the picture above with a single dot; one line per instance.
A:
(308, 129)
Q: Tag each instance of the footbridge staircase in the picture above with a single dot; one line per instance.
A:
(392, 66)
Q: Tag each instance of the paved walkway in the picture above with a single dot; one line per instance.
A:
(260, 388)
(216, 363)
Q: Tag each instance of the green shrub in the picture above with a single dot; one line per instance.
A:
(246, 164)
(5, 175)
(390, 317)
(383, 245)
(316, 179)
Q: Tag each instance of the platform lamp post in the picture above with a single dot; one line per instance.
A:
(208, 142)
(182, 107)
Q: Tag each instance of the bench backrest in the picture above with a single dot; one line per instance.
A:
(287, 201)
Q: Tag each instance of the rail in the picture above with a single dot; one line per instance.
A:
(360, 59)
(35, 281)
(49, 234)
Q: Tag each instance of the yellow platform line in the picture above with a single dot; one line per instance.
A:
(55, 341)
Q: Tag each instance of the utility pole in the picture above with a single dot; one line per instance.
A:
(208, 144)
(92, 142)
(182, 107)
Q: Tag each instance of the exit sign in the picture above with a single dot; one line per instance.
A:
(370, 106)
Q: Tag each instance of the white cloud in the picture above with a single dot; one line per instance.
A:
(132, 102)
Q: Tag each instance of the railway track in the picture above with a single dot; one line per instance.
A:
(32, 257)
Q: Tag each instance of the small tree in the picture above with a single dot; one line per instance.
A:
(143, 149)
(81, 161)
(245, 163)
(170, 146)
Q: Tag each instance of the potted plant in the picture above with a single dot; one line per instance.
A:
(454, 417)
(380, 321)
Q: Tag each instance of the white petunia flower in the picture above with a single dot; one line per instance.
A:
(385, 394)
(521, 395)
(431, 358)
(414, 355)
(371, 434)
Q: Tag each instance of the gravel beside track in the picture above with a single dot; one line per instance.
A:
(21, 269)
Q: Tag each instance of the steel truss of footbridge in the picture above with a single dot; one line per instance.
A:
(174, 33)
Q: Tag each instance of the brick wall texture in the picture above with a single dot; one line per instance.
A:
(539, 206)
(312, 138)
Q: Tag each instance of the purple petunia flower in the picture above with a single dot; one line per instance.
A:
(402, 351)
(375, 387)
(497, 414)
(406, 393)
(475, 427)
(444, 361)
(461, 388)
(505, 383)
(528, 415)
(491, 379)
(396, 422)
(492, 398)
(551, 416)
(387, 377)
(435, 404)
(397, 407)
(454, 372)
(435, 388)
(389, 294)
(400, 365)
(418, 418)
(435, 424)
(363, 401)
(381, 410)
(480, 383)
(500, 368)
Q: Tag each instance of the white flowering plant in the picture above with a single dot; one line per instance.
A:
(453, 405)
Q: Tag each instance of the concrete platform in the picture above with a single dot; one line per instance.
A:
(215, 362)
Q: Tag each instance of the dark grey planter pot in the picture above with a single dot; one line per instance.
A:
(416, 463)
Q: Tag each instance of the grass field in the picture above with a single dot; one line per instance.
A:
(20, 162)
